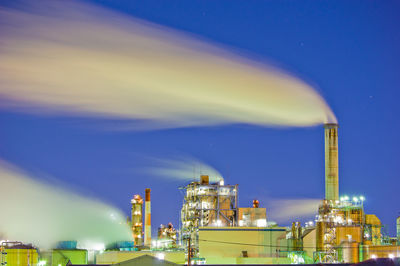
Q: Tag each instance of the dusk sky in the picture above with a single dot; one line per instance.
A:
(347, 50)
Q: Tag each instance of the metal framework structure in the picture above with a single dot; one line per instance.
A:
(136, 219)
(207, 204)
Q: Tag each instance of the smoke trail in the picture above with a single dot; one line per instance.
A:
(42, 214)
(184, 169)
(282, 210)
(71, 57)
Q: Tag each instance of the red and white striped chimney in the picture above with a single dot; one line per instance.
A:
(147, 219)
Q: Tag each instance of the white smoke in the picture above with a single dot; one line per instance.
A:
(43, 214)
(61, 57)
(283, 210)
(184, 169)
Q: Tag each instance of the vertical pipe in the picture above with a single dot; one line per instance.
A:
(331, 162)
(147, 219)
(236, 205)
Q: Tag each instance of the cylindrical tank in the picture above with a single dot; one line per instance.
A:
(331, 162)
(147, 219)
(350, 251)
(72, 244)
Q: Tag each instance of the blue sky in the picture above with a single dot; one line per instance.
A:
(347, 49)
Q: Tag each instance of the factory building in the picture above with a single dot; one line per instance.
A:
(215, 230)
(343, 232)
(243, 245)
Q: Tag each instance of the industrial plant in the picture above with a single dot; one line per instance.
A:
(214, 229)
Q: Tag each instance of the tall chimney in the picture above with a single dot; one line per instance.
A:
(147, 219)
(331, 162)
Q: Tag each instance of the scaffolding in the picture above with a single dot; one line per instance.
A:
(207, 204)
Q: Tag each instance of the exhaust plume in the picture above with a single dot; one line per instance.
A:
(42, 214)
(283, 210)
(184, 169)
(68, 57)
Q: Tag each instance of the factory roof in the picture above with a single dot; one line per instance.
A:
(145, 260)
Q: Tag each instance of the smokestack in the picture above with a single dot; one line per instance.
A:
(331, 162)
(147, 219)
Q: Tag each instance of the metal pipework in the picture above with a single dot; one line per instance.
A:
(147, 219)
(331, 162)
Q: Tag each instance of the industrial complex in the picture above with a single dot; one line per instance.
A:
(214, 229)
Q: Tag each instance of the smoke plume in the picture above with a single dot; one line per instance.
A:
(184, 169)
(43, 214)
(283, 210)
(67, 57)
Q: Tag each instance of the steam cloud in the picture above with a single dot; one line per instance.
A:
(38, 213)
(283, 210)
(184, 169)
(75, 58)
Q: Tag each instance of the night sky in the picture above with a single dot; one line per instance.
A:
(349, 50)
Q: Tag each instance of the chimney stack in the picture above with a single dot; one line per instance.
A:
(147, 219)
(331, 162)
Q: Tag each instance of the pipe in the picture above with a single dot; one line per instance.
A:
(331, 162)
(147, 219)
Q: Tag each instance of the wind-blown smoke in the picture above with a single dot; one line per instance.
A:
(43, 214)
(183, 169)
(76, 58)
(282, 210)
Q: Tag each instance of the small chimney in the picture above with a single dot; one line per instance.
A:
(204, 179)
(256, 203)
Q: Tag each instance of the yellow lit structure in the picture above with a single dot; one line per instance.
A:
(65, 256)
(243, 245)
(167, 236)
(207, 204)
(16, 253)
(249, 217)
(136, 220)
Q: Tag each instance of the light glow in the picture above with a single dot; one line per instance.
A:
(261, 223)
(160, 256)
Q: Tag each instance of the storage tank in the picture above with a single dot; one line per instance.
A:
(16, 253)
(350, 251)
